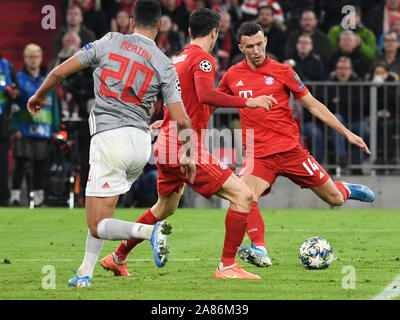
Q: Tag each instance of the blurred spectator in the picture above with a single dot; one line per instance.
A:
(9, 92)
(348, 47)
(293, 10)
(331, 12)
(121, 23)
(308, 25)
(386, 105)
(390, 53)
(340, 100)
(380, 17)
(70, 40)
(395, 27)
(179, 14)
(365, 38)
(93, 16)
(168, 41)
(74, 21)
(230, 6)
(32, 134)
(226, 47)
(249, 9)
(307, 64)
(275, 36)
(127, 5)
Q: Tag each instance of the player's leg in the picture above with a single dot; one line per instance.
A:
(165, 206)
(336, 193)
(241, 198)
(257, 253)
(113, 170)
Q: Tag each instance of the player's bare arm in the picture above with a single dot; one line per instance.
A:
(58, 74)
(184, 125)
(321, 112)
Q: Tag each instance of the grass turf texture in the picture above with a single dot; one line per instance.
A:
(364, 239)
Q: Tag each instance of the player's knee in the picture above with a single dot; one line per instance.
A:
(93, 230)
(244, 199)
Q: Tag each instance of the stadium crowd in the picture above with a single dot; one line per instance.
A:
(315, 38)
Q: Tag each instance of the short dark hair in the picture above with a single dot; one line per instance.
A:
(147, 13)
(264, 6)
(202, 22)
(248, 29)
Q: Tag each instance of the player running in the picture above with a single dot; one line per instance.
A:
(277, 150)
(196, 70)
(130, 73)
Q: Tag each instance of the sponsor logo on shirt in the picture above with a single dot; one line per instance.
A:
(205, 65)
(239, 84)
(301, 86)
(88, 46)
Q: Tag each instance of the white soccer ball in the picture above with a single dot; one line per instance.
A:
(316, 253)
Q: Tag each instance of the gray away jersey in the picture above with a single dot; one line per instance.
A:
(130, 72)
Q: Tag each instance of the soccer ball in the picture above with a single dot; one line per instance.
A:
(316, 253)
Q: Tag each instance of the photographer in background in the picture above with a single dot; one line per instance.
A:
(9, 92)
(32, 134)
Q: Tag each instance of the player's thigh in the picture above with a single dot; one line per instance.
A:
(237, 192)
(166, 205)
(256, 185)
(117, 158)
(97, 209)
(329, 193)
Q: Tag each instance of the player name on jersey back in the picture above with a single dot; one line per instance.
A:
(130, 72)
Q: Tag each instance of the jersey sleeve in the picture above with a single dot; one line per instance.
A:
(170, 85)
(294, 84)
(91, 54)
(204, 66)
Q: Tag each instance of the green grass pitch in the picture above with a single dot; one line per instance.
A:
(365, 240)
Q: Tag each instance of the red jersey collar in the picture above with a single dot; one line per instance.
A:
(266, 62)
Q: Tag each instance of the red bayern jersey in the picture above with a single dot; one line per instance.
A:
(191, 64)
(275, 131)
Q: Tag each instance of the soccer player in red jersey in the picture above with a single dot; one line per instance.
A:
(196, 70)
(277, 149)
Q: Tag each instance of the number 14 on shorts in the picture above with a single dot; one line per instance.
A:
(313, 165)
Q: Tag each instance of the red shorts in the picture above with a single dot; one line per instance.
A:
(208, 181)
(296, 164)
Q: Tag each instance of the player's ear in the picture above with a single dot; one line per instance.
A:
(240, 47)
(159, 25)
(190, 33)
(132, 22)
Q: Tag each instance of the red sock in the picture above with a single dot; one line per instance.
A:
(343, 190)
(235, 229)
(255, 226)
(126, 246)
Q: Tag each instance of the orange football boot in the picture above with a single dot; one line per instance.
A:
(109, 264)
(234, 272)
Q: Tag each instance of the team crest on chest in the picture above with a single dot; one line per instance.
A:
(269, 80)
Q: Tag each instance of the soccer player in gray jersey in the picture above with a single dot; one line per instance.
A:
(131, 71)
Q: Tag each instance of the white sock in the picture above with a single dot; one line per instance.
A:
(262, 248)
(92, 252)
(114, 229)
(15, 195)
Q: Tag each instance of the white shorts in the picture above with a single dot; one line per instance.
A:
(116, 160)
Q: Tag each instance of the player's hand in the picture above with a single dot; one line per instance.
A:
(155, 127)
(35, 104)
(358, 141)
(188, 168)
(264, 102)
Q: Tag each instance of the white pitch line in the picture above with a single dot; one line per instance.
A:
(128, 260)
(390, 292)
